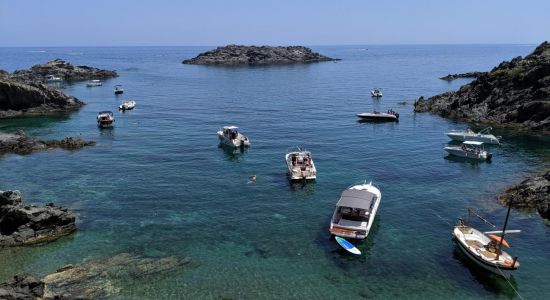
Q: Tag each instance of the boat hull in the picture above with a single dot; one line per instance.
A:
(463, 136)
(382, 117)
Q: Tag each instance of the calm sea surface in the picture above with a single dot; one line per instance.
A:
(158, 184)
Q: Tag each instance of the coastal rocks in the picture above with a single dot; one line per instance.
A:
(532, 193)
(22, 287)
(20, 143)
(462, 75)
(32, 98)
(233, 55)
(62, 69)
(23, 224)
(515, 94)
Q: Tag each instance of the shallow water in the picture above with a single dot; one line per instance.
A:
(158, 184)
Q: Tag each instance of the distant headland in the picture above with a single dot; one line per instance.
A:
(234, 55)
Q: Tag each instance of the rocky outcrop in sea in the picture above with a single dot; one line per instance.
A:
(20, 143)
(33, 98)
(532, 193)
(95, 279)
(516, 94)
(233, 55)
(463, 75)
(24, 224)
(62, 69)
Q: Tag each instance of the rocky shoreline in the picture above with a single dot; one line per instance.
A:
(99, 278)
(516, 94)
(62, 69)
(20, 143)
(451, 77)
(531, 194)
(24, 224)
(233, 55)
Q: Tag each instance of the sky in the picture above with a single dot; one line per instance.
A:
(271, 22)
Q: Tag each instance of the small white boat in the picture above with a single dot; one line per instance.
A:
(391, 116)
(485, 250)
(127, 105)
(51, 79)
(376, 92)
(230, 136)
(469, 135)
(105, 119)
(300, 165)
(118, 89)
(95, 82)
(355, 211)
(470, 149)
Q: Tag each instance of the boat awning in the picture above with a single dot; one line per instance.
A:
(356, 199)
(473, 143)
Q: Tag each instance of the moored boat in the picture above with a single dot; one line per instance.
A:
(300, 165)
(355, 211)
(95, 82)
(376, 92)
(376, 116)
(105, 119)
(118, 89)
(52, 78)
(232, 137)
(127, 105)
(469, 135)
(469, 149)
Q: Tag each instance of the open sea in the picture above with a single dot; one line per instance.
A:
(158, 184)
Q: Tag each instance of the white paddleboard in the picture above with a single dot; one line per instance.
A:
(347, 245)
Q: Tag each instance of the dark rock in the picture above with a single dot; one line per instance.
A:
(20, 143)
(22, 224)
(62, 69)
(253, 55)
(532, 193)
(22, 287)
(32, 98)
(463, 75)
(515, 94)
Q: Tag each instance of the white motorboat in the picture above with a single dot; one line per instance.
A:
(486, 250)
(118, 89)
(376, 92)
(355, 211)
(127, 105)
(51, 79)
(231, 136)
(469, 135)
(105, 119)
(470, 149)
(391, 116)
(300, 165)
(95, 82)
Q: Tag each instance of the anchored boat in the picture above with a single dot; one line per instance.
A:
(355, 211)
(127, 105)
(118, 89)
(469, 135)
(486, 249)
(232, 137)
(376, 92)
(469, 149)
(300, 165)
(95, 82)
(105, 119)
(376, 116)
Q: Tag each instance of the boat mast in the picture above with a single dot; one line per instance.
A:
(503, 230)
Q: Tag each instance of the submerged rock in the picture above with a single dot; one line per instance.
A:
(24, 224)
(532, 193)
(515, 94)
(33, 98)
(254, 55)
(463, 75)
(62, 69)
(20, 143)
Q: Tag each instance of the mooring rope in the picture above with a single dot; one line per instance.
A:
(511, 285)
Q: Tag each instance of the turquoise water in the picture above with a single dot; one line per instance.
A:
(158, 184)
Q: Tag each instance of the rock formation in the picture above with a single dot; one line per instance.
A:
(23, 224)
(233, 55)
(532, 193)
(92, 279)
(33, 98)
(463, 75)
(62, 69)
(20, 143)
(515, 94)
